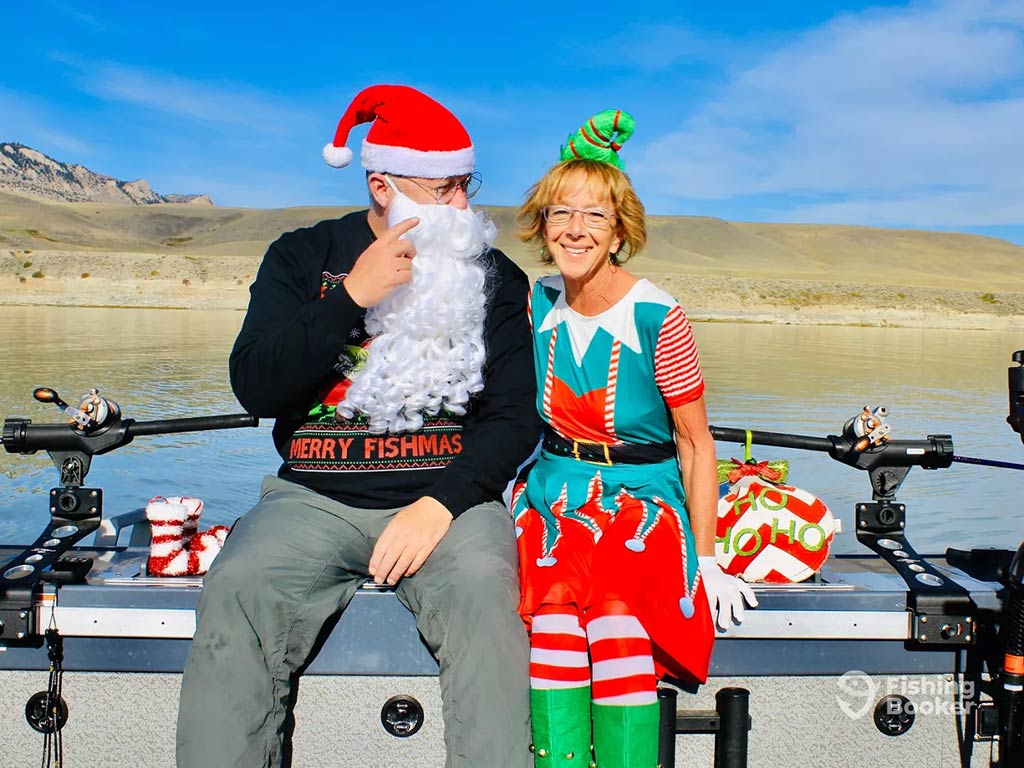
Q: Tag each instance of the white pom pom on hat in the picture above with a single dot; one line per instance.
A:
(411, 135)
(337, 157)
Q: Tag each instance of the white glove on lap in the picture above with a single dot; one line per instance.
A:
(725, 593)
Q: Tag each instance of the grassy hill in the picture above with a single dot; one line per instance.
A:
(707, 262)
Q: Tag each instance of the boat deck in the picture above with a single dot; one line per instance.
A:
(853, 615)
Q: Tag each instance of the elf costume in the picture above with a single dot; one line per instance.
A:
(607, 558)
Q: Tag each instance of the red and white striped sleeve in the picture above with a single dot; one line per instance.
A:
(676, 365)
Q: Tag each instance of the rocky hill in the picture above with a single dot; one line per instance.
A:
(23, 169)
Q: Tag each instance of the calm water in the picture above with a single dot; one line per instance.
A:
(799, 379)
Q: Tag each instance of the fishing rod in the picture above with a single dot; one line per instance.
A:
(865, 443)
(96, 426)
(987, 462)
(1015, 386)
(1012, 629)
(933, 598)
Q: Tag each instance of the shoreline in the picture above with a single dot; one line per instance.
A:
(705, 299)
(187, 257)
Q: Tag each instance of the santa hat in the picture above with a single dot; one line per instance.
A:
(411, 135)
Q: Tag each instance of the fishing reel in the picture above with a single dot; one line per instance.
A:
(92, 413)
(94, 426)
(868, 428)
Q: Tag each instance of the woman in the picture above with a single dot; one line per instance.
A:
(621, 503)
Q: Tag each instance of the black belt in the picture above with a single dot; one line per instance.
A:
(606, 453)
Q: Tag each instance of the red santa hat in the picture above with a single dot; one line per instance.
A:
(411, 135)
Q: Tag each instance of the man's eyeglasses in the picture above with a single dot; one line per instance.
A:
(593, 218)
(443, 193)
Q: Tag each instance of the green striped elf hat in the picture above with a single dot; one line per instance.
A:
(600, 138)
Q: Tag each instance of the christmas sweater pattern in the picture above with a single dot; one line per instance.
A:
(324, 443)
(589, 531)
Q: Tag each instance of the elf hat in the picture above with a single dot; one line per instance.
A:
(411, 135)
(600, 138)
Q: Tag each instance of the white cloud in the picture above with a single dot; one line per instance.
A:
(908, 116)
(226, 105)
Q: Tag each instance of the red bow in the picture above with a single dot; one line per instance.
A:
(760, 469)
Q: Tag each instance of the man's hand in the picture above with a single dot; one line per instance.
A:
(408, 540)
(382, 267)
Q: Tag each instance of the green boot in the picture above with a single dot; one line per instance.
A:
(626, 737)
(561, 727)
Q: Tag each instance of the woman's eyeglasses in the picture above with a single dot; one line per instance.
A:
(593, 218)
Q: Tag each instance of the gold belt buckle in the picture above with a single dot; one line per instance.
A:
(576, 452)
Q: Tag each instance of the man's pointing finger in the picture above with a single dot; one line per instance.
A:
(395, 232)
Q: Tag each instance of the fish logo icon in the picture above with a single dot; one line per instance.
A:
(857, 692)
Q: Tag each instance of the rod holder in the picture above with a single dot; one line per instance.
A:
(733, 705)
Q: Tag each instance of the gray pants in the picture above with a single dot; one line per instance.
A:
(296, 559)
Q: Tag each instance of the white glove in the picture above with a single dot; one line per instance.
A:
(725, 593)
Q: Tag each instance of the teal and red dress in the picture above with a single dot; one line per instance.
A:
(590, 532)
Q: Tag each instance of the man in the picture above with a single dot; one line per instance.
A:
(392, 348)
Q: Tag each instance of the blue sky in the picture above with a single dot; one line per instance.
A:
(881, 114)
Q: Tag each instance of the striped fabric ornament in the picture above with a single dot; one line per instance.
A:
(772, 533)
(177, 548)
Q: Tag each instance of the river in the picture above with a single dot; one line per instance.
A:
(788, 378)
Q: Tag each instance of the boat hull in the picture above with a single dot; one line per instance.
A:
(817, 659)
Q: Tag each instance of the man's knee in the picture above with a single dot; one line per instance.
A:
(482, 585)
(481, 567)
(234, 578)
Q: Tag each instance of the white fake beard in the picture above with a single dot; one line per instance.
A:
(427, 350)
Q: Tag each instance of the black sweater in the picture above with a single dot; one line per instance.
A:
(303, 331)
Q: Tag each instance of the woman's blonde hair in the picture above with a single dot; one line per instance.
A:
(629, 211)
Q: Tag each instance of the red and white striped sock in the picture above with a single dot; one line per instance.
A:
(204, 547)
(558, 650)
(177, 548)
(621, 663)
(194, 508)
(167, 554)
